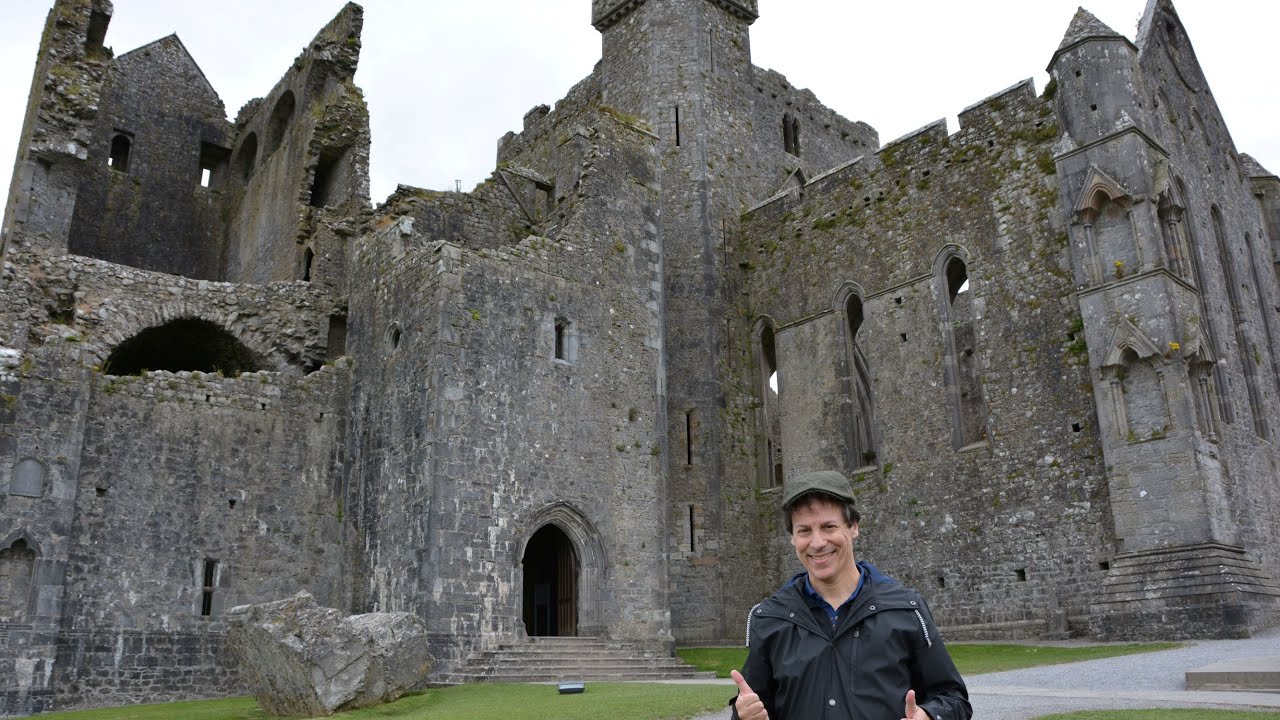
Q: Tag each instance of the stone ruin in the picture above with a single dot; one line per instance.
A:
(301, 660)
(1042, 344)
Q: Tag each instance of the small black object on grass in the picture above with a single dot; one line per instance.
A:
(571, 688)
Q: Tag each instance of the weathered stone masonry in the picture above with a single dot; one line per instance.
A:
(1042, 346)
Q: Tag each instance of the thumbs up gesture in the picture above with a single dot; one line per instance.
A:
(913, 711)
(748, 704)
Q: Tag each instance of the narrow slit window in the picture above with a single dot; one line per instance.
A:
(693, 530)
(210, 584)
(677, 109)
(565, 342)
(689, 437)
(308, 257)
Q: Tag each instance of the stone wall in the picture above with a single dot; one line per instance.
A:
(133, 473)
(1021, 513)
(300, 163)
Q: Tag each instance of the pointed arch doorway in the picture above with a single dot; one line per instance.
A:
(551, 571)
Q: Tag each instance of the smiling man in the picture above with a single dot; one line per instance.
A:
(841, 640)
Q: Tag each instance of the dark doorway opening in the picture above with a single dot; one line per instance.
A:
(550, 584)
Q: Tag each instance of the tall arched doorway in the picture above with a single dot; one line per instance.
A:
(550, 584)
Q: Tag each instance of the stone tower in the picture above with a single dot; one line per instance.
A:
(728, 134)
(682, 67)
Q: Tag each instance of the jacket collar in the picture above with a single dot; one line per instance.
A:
(791, 606)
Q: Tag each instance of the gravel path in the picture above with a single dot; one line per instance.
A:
(1148, 680)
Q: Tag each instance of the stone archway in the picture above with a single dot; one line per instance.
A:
(563, 553)
(550, 584)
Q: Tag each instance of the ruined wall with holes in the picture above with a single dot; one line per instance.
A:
(140, 201)
(135, 472)
(300, 166)
(1020, 512)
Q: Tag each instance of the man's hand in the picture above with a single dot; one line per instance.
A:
(913, 711)
(748, 704)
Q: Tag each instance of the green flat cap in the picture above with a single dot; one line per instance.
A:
(829, 482)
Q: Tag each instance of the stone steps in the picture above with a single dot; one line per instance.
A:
(570, 659)
(1256, 674)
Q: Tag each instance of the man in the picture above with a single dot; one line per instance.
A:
(841, 640)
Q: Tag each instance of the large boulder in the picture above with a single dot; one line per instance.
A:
(302, 660)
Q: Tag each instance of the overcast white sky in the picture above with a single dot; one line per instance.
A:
(445, 79)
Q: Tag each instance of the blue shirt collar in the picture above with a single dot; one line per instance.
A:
(816, 600)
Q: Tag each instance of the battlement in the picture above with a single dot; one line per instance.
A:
(607, 13)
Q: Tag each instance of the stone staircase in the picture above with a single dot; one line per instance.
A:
(564, 659)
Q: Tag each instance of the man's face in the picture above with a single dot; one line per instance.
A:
(822, 539)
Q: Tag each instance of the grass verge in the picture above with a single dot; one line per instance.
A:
(970, 659)
(482, 701)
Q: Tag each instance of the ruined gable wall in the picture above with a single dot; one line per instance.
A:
(1186, 120)
(154, 214)
(300, 166)
(1031, 496)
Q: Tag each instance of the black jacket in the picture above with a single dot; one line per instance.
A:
(885, 645)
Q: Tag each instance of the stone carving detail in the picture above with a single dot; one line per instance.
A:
(302, 660)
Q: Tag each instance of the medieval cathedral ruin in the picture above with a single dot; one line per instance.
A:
(1045, 346)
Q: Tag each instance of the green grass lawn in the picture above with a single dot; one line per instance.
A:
(1162, 715)
(484, 701)
(632, 701)
(970, 659)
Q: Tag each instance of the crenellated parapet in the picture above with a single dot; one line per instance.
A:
(607, 13)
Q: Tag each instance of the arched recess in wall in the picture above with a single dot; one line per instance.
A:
(768, 390)
(278, 123)
(954, 291)
(1134, 370)
(1103, 209)
(863, 444)
(1260, 296)
(593, 566)
(28, 478)
(1246, 349)
(1200, 361)
(190, 344)
(1226, 411)
(18, 555)
(247, 156)
(1177, 251)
